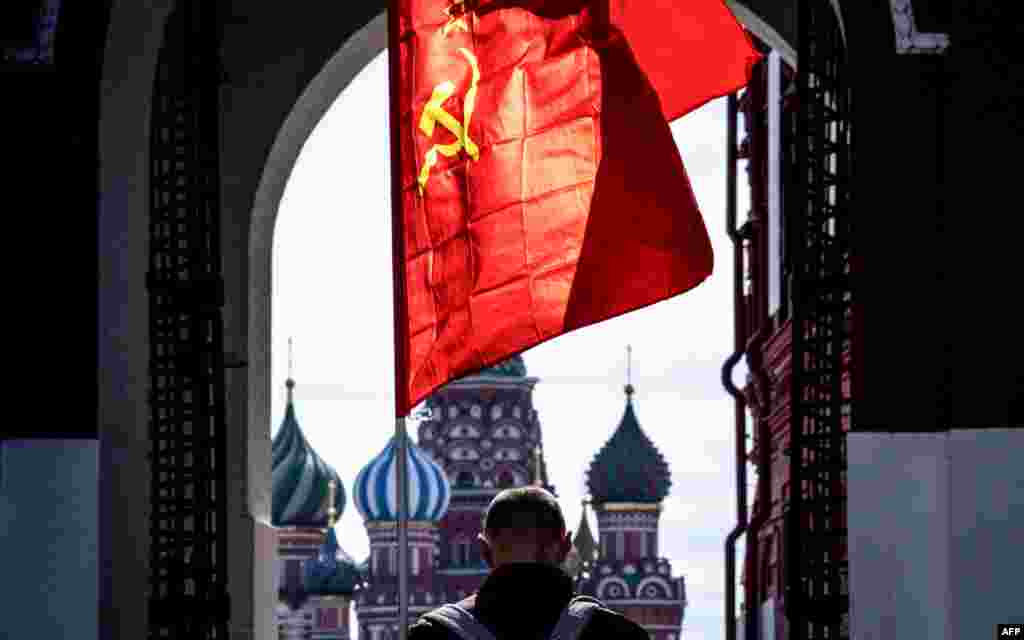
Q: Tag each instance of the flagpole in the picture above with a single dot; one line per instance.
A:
(400, 319)
(403, 527)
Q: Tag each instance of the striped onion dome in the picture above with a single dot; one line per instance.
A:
(300, 478)
(332, 572)
(376, 493)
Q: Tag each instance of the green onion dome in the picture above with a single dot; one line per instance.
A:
(629, 468)
(300, 477)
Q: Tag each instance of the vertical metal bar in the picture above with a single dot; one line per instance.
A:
(761, 329)
(188, 596)
(402, 469)
(816, 600)
(798, 216)
(739, 341)
(774, 226)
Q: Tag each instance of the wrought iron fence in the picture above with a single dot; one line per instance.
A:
(188, 519)
(819, 217)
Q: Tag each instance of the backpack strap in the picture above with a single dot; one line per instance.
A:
(457, 619)
(575, 617)
(569, 626)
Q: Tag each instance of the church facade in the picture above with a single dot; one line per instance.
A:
(483, 434)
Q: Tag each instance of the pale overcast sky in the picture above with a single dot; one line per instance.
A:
(332, 294)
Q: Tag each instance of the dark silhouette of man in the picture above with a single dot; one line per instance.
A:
(527, 595)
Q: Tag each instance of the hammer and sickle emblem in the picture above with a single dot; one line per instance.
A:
(434, 113)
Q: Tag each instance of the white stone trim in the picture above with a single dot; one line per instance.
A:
(610, 580)
(653, 527)
(763, 31)
(908, 39)
(951, 561)
(391, 609)
(661, 580)
(493, 382)
(612, 603)
(463, 572)
(663, 627)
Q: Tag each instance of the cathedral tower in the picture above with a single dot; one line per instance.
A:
(315, 577)
(376, 497)
(484, 432)
(628, 480)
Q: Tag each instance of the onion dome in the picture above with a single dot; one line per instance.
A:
(300, 477)
(332, 572)
(376, 489)
(514, 367)
(629, 468)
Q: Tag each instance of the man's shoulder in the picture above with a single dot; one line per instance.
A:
(427, 629)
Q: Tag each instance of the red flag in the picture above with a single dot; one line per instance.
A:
(536, 185)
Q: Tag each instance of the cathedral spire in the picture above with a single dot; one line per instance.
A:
(630, 390)
(584, 540)
(629, 468)
(290, 382)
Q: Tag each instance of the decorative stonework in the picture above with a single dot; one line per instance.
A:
(908, 38)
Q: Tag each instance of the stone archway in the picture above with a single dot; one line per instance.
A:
(357, 52)
(133, 43)
(318, 97)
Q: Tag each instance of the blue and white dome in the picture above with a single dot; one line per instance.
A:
(300, 478)
(376, 490)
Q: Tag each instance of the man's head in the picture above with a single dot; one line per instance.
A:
(524, 525)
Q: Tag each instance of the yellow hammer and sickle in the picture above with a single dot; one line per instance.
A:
(433, 113)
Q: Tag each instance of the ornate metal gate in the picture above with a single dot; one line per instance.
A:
(819, 221)
(188, 558)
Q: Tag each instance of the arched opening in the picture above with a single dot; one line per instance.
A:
(290, 140)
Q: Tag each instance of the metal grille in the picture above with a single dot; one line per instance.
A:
(188, 562)
(817, 601)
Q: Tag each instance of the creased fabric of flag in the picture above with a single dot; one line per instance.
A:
(540, 187)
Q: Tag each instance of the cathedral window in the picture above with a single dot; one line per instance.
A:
(465, 480)
(461, 553)
(507, 454)
(476, 411)
(508, 431)
(464, 453)
(506, 479)
(496, 412)
(463, 431)
(453, 411)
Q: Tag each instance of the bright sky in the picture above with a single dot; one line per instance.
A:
(332, 294)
